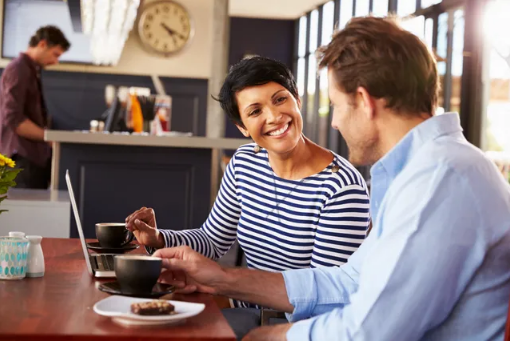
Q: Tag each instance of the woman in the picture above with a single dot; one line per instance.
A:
(289, 202)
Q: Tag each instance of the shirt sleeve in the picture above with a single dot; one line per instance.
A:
(14, 92)
(417, 266)
(342, 226)
(316, 291)
(219, 231)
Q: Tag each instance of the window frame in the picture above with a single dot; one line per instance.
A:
(470, 106)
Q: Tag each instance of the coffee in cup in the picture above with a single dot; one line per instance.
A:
(114, 235)
(137, 274)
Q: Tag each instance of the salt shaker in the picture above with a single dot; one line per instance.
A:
(35, 265)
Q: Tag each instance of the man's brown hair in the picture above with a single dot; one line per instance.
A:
(53, 36)
(388, 61)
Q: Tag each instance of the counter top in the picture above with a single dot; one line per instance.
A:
(143, 140)
(33, 195)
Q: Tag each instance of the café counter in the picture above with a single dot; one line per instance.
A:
(115, 174)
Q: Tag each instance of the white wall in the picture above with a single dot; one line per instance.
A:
(195, 61)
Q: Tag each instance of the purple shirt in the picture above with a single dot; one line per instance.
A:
(21, 98)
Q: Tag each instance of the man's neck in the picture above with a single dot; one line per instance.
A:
(32, 54)
(395, 126)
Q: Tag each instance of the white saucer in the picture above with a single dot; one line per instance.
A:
(119, 309)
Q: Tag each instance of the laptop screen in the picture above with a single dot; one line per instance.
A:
(78, 222)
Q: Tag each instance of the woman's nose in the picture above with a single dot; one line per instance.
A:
(275, 116)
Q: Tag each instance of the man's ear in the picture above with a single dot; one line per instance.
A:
(366, 102)
(42, 44)
(243, 130)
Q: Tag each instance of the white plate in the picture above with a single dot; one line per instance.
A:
(119, 309)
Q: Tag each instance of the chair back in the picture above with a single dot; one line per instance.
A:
(507, 328)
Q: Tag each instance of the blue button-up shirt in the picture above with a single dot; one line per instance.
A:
(436, 265)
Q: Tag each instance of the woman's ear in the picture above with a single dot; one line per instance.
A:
(299, 103)
(243, 130)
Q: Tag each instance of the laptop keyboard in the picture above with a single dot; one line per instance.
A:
(107, 262)
(104, 262)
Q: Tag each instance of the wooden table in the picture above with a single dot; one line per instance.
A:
(59, 305)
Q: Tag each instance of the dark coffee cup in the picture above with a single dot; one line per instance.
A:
(137, 274)
(113, 235)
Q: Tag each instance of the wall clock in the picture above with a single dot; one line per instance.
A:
(165, 27)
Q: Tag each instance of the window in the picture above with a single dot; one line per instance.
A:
(302, 36)
(441, 29)
(429, 32)
(346, 8)
(362, 8)
(457, 59)
(314, 29)
(380, 8)
(328, 17)
(23, 18)
(416, 26)
(428, 3)
(300, 72)
(496, 136)
(441, 54)
(406, 7)
(310, 112)
(301, 77)
(312, 79)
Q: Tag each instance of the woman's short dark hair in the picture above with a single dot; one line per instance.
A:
(251, 72)
(52, 35)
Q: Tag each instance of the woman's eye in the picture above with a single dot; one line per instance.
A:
(255, 112)
(281, 99)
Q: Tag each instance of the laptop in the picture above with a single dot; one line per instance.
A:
(98, 265)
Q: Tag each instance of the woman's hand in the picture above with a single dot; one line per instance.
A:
(143, 225)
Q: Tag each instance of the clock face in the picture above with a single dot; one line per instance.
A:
(165, 27)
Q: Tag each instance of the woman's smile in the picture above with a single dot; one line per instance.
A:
(280, 131)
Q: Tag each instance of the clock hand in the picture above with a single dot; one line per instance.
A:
(172, 32)
(168, 29)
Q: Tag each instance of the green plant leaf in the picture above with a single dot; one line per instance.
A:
(7, 183)
(3, 198)
(11, 174)
(4, 211)
(4, 189)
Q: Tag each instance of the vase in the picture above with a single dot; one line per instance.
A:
(13, 257)
(35, 265)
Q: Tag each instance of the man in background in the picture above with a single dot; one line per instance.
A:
(23, 115)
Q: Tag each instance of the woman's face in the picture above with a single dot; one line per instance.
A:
(271, 116)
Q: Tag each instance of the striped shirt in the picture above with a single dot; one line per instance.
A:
(283, 224)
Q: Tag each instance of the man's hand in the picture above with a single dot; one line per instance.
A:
(189, 271)
(143, 225)
(269, 333)
(30, 130)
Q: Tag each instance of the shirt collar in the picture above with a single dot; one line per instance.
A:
(33, 65)
(394, 161)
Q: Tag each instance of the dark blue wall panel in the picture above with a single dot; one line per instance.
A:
(110, 182)
(264, 37)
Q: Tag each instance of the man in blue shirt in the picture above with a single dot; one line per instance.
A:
(436, 265)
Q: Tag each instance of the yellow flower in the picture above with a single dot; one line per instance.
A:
(4, 160)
